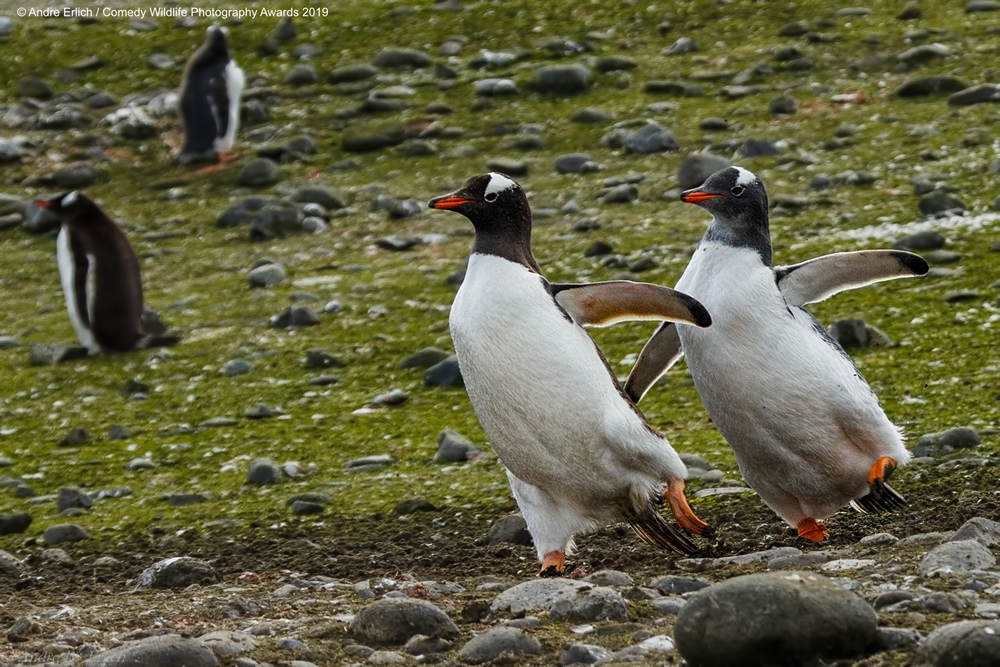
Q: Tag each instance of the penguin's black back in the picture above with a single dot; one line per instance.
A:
(204, 99)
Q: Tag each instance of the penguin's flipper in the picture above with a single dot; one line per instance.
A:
(819, 278)
(601, 304)
(660, 353)
(218, 99)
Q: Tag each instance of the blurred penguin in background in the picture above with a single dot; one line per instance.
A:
(210, 101)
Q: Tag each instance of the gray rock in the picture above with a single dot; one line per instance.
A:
(73, 496)
(225, 643)
(962, 644)
(930, 85)
(857, 333)
(316, 358)
(76, 176)
(537, 595)
(395, 57)
(413, 505)
(424, 358)
(366, 138)
(621, 194)
(653, 138)
(267, 275)
(236, 367)
(351, 73)
(294, 316)
(575, 163)
(896, 639)
(910, 11)
(982, 530)
(591, 115)
(498, 642)
(772, 618)
(609, 578)
(285, 30)
(444, 374)
(669, 605)
(260, 173)
(562, 79)
(945, 442)
(783, 105)
(160, 651)
(509, 530)
(6, 26)
(494, 87)
(10, 151)
(598, 604)
(32, 86)
(9, 565)
(508, 166)
(75, 438)
(982, 6)
(178, 572)
(328, 198)
(940, 201)
(929, 240)
(672, 585)
(453, 447)
(681, 46)
(14, 522)
(369, 462)
(304, 507)
(263, 471)
(984, 92)
(695, 169)
(957, 557)
(923, 54)
(393, 621)
(794, 29)
(301, 75)
(64, 532)
(615, 64)
(587, 654)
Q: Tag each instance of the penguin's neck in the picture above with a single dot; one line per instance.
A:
(512, 247)
(753, 234)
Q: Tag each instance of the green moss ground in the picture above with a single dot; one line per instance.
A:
(945, 373)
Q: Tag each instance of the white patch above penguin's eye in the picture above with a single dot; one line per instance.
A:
(69, 199)
(746, 177)
(738, 190)
(498, 183)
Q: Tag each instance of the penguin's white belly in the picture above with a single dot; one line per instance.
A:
(542, 393)
(67, 275)
(802, 422)
(234, 90)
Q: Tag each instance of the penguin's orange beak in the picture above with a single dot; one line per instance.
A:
(448, 202)
(45, 203)
(695, 196)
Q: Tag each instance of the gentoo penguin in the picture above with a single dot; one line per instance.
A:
(808, 432)
(210, 100)
(100, 278)
(578, 453)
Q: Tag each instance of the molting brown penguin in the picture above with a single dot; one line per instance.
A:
(100, 278)
(210, 100)
(579, 455)
(808, 432)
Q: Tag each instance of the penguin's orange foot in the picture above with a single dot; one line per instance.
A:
(882, 470)
(553, 564)
(228, 157)
(683, 514)
(814, 530)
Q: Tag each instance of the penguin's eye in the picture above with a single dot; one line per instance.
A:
(738, 190)
(490, 197)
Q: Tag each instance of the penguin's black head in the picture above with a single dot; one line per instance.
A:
(737, 200)
(498, 209)
(217, 39)
(730, 194)
(492, 202)
(70, 207)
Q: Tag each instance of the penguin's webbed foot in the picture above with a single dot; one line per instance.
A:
(882, 470)
(814, 530)
(553, 564)
(683, 514)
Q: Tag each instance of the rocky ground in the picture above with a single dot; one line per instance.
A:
(307, 450)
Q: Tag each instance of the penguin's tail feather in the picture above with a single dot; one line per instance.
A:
(653, 529)
(880, 499)
(158, 340)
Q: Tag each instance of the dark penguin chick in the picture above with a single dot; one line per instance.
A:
(100, 278)
(808, 432)
(210, 100)
(579, 455)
